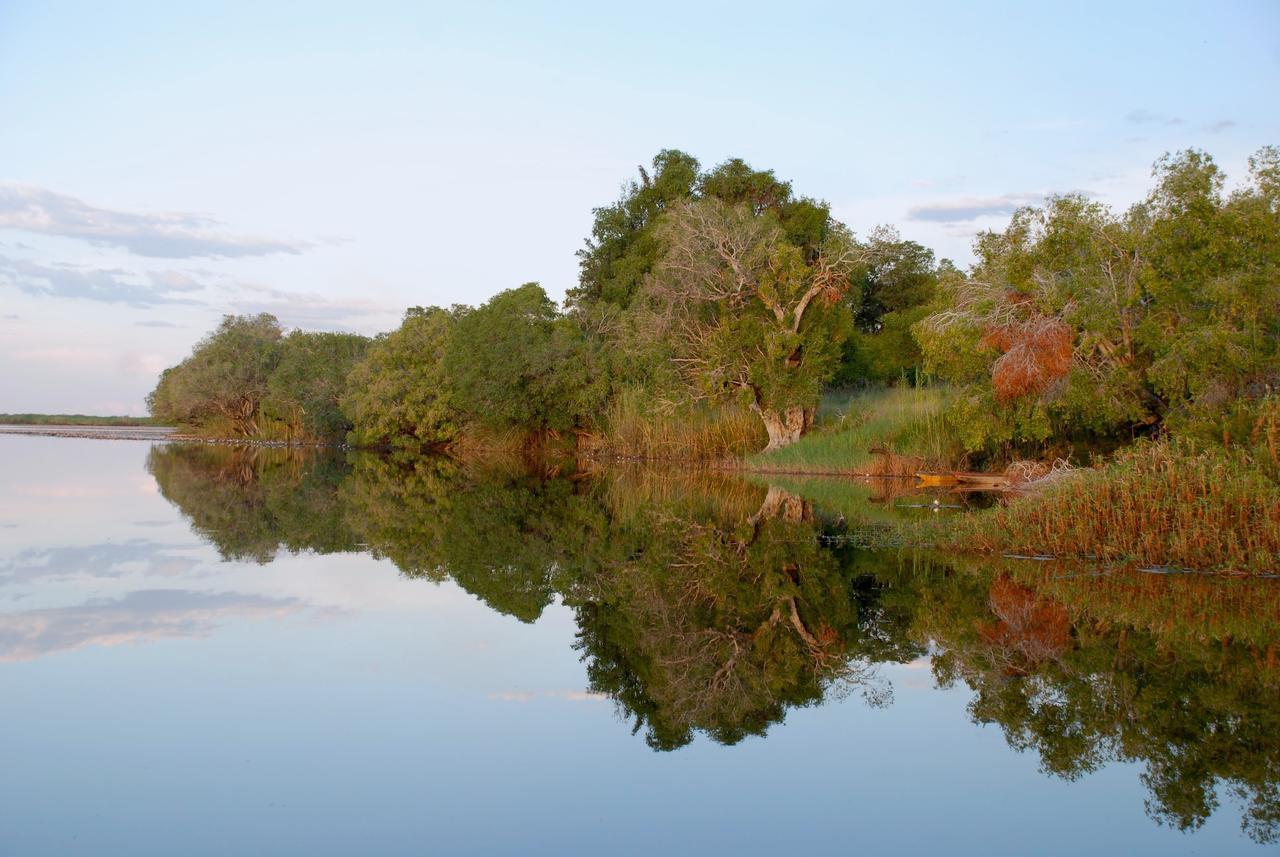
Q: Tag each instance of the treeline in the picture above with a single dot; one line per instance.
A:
(74, 420)
(713, 308)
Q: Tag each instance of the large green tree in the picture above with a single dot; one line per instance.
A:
(748, 314)
(622, 248)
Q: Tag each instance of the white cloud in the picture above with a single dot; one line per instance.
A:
(147, 289)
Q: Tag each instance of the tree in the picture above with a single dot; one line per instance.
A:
(399, 395)
(1210, 279)
(307, 385)
(1042, 328)
(621, 250)
(891, 292)
(515, 362)
(745, 314)
(1079, 323)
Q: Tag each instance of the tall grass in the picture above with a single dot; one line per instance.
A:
(1157, 504)
(892, 431)
(634, 428)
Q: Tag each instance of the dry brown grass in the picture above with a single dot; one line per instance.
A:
(636, 429)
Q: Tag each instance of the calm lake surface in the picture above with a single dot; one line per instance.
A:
(207, 650)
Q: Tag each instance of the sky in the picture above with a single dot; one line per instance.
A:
(164, 164)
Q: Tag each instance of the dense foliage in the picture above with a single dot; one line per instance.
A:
(398, 395)
(1080, 323)
(713, 307)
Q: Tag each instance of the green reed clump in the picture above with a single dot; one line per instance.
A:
(1156, 503)
(637, 428)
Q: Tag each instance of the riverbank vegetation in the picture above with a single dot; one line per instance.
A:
(1155, 504)
(714, 307)
(718, 313)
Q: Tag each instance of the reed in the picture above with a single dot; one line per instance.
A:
(1156, 504)
(635, 428)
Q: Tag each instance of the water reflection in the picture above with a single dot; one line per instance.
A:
(710, 605)
(138, 616)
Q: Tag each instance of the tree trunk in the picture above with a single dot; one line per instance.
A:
(783, 428)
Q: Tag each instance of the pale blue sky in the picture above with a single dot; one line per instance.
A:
(161, 164)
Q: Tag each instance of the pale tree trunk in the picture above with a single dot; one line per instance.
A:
(783, 428)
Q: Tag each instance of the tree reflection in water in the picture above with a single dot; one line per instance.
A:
(706, 604)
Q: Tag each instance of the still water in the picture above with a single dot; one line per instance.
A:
(206, 650)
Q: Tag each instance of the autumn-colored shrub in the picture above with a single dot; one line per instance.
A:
(1036, 353)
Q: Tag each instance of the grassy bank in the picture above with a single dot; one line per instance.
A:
(1154, 504)
(886, 432)
(75, 420)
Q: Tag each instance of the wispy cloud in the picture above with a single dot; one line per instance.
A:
(96, 562)
(149, 289)
(169, 235)
(1219, 126)
(968, 209)
(109, 285)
